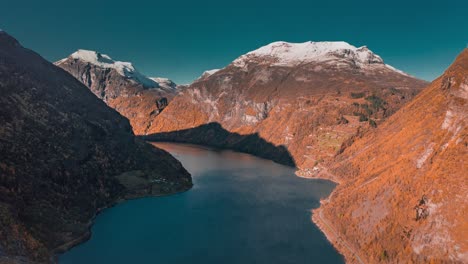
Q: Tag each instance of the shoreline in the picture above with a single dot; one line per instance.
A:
(317, 217)
(333, 236)
(87, 234)
(322, 175)
(217, 148)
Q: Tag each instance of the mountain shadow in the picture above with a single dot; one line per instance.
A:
(214, 135)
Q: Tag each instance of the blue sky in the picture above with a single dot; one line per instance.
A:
(181, 39)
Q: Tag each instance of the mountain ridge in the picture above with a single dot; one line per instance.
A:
(125, 69)
(403, 196)
(121, 86)
(287, 53)
(64, 156)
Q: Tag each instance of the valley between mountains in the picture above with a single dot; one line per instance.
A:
(397, 145)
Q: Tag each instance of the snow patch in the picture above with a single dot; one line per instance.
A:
(165, 83)
(285, 53)
(125, 69)
(338, 54)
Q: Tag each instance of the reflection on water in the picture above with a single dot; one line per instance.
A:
(242, 209)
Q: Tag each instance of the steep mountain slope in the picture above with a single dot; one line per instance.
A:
(64, 155)
(404, 196)
(308, 97)
(120, 85)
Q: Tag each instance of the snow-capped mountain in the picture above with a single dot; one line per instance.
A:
(308, 97)
(120, 85)
(125, 69)
(109, 78)
(339, 54)
(165, 83)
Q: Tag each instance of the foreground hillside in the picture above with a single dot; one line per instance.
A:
(64, 155)
(307, 98)
(404, 192)
(121, 86)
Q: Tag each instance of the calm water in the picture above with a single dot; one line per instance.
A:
(242, 209)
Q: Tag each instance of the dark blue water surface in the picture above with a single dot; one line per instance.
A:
(242, 209)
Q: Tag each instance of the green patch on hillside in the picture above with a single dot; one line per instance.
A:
(376, 102)
(357, 95)
(331, 140)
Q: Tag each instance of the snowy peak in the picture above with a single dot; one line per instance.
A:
(103, 60)
(126, 69)
(285, 53)
(165, 83)
(93, 57)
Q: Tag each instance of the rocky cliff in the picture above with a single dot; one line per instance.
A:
(307, 98)
(404, 192)
(121, 85)
(64, 155)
